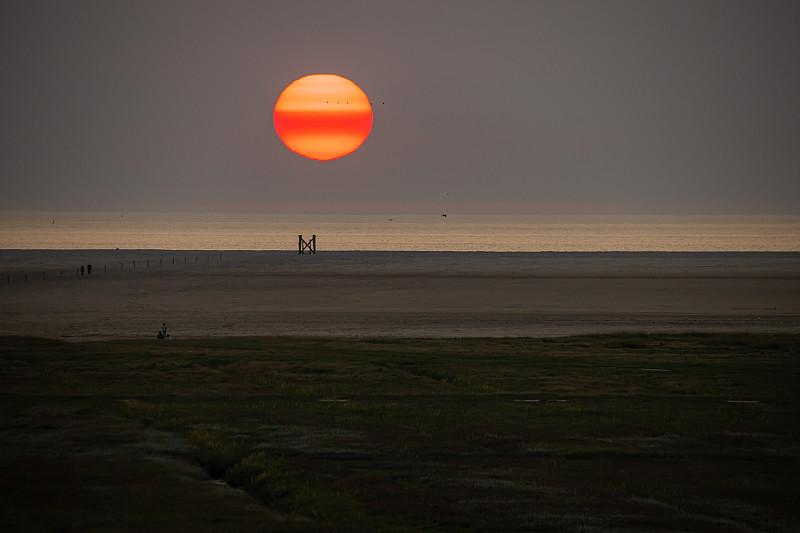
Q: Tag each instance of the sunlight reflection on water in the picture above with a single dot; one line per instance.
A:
(490, 233)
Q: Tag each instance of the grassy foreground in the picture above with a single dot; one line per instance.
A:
(594, 433)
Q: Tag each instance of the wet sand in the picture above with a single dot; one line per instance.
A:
(394, 294)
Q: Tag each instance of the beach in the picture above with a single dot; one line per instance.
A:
(130, 293)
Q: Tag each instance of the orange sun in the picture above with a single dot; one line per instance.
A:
(322, 116)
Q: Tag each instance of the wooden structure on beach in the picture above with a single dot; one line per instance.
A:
(310, 245)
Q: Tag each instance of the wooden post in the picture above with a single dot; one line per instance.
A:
(310, 245)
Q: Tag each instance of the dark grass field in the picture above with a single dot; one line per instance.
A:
(594, 434)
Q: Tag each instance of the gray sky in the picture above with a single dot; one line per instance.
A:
(530, 106)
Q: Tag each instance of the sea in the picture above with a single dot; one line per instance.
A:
(399, 232)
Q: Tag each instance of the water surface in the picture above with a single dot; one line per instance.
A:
(485, 233)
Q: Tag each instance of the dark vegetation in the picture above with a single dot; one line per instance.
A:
(594, 433)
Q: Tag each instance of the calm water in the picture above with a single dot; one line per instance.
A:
(490, 233)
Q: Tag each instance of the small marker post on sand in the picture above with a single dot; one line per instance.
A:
(310, 245)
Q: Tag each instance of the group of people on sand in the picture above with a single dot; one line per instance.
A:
(88, 269)
(162, 333)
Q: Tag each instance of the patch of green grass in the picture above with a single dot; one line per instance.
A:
(593, 433)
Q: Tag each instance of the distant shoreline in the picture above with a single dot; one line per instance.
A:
(559, 252)
(446, 261)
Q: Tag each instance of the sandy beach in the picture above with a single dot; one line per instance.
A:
(393, 294)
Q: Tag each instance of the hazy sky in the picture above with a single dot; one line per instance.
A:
(529, 106)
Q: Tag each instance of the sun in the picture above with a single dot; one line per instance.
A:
(323, 117)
